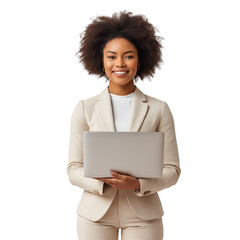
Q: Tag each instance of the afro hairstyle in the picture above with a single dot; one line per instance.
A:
(135, 28)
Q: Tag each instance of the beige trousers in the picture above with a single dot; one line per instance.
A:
(119, 216)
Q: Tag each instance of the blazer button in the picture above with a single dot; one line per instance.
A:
(147, 192)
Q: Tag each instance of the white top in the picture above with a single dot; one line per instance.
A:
(122, 111)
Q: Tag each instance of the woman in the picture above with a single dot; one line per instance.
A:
(121, 48)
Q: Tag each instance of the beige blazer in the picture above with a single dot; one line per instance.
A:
(148, 115)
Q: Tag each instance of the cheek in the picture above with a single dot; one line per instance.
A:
(107, 65)
(134, 66)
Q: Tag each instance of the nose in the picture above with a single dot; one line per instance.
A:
(120, 62)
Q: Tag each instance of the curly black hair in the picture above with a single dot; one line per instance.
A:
(135, 28)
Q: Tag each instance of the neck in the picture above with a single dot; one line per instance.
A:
(121, 89)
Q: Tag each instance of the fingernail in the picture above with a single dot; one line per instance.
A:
(112, 173)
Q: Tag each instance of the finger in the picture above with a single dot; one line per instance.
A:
(113, 181)
(101, 178)
(119, 175)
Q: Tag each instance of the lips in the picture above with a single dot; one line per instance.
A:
(120, 73)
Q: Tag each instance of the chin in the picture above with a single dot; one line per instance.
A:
(121, 81)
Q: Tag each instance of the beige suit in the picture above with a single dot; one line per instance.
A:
(148, 115)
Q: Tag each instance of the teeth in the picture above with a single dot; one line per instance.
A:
(120, 72)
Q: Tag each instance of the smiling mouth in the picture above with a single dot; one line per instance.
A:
(120, 73)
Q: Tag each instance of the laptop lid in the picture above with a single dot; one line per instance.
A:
(138, 154)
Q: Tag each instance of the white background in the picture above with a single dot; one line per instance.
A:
(41, 82)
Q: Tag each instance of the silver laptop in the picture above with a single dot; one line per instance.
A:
(138, 154)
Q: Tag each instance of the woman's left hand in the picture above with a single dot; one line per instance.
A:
(120, 181)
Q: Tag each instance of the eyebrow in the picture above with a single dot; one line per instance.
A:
(116, 53)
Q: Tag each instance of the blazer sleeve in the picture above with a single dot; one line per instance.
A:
(171, 167)
(75, 164)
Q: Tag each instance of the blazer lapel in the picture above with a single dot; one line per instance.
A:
(104, 111)
(139, 110)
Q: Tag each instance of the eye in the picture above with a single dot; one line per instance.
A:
(111, 57)
(129, 57)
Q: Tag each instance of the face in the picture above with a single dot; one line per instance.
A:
(120, 61)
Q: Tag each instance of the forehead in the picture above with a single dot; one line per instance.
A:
(119, 45)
